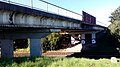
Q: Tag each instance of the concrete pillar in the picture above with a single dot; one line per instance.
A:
(35, 47)
(83, 39)
(6, 48)
(93, 38)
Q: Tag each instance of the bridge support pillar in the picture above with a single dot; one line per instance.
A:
(6, 48)
(83, 39)
(35, 47)
(93, 38)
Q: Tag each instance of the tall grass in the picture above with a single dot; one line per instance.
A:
(56, 62)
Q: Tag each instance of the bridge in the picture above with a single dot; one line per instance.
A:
(21, 21)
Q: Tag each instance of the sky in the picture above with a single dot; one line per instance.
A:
(101, 9)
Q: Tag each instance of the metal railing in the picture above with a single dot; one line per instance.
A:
(45, 6)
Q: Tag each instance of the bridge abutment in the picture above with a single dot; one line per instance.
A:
(88, 38)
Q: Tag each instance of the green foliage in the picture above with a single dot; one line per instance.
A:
(115, 26)
(55, 41)
(51, 42)
(56, 62)
(115, 16)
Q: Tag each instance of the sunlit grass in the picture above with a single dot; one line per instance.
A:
(56, 62)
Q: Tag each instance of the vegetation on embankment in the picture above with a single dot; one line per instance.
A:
(56, 62)
(108, 42)
(115, 23)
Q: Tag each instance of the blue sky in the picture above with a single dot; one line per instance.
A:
(100, 8)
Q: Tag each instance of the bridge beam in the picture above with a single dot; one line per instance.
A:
(27, 20)
(6, 48)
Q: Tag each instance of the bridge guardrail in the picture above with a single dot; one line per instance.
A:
(45, 6)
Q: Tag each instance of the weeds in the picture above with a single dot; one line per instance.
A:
(56, 62)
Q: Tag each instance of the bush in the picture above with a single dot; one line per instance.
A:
(55, 41)
(51, 42)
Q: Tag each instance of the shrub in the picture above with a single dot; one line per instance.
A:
(51, 42)
(55, 41)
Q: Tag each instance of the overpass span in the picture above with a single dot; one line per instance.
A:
(19, 22)
(16, 15)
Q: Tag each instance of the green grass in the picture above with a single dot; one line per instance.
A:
(56, 62)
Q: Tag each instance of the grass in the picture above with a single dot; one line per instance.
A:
(56, 62)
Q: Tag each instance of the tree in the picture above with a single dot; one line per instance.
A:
(115, 26)
(115, 16)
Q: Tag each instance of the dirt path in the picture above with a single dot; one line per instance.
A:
(76, 48)
(58, 53)
(63, 52)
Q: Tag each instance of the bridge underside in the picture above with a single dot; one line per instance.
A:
(87, 37)
(7, 35)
